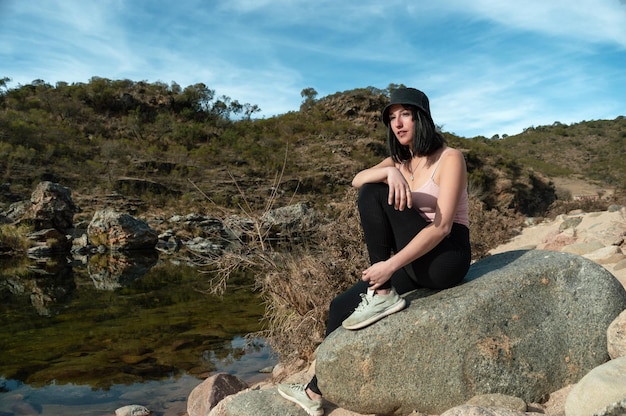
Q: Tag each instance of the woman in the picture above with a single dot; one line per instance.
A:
(414, 214)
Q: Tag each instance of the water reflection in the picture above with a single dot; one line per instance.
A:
(114, 270)
(98, 330)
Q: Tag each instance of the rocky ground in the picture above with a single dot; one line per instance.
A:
(599, 236)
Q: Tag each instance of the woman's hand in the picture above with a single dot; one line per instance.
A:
(377, 274)
(399, 190)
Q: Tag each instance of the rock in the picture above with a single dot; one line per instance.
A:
(211, 391)
(523, 324)
(80, 244)
(49, 241)
(204, 246)
(132, 410)
(240, 229)
(16, 211)
(119, 231)
(263, 402)
(608, 254)
(500, 401)
(583, 248)
(615, 409)
(169, 242)
(620, 265)
(468, 410)
(616, 337)
(52, 206)
(571, 222)
(292, 220)
(601, 387)
(604, 227)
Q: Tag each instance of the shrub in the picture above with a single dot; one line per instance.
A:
(491, 227)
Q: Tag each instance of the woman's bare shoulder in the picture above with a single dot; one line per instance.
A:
(453, 159)
(451, 153)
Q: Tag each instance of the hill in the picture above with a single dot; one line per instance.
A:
(165, 147)
(591, 150)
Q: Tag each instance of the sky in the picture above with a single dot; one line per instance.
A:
(488, 66)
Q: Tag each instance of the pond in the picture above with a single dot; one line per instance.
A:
(86, 339)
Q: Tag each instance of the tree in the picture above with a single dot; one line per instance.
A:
(3, 84)
(201, 95)
(392, 87)
(309, 95)
(249, 109)
(3, 89)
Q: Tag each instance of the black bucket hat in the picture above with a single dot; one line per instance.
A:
(409, 96)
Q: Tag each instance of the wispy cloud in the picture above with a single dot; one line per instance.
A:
(488, 66)
(584, 20)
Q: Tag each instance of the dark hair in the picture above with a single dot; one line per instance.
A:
(426, 139)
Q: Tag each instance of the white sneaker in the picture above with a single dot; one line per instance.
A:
(297, 393)
(373, 307)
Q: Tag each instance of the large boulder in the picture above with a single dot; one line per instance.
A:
(52, 206)
(119, 231)
(523, 323)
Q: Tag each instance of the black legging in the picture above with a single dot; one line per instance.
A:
(387, 231)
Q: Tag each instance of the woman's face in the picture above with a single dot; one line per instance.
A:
(402, 124)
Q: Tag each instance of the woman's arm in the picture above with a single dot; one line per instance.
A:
(375, 174)
(387, 172)
(452, 179)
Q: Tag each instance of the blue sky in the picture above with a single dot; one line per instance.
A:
(489, 66)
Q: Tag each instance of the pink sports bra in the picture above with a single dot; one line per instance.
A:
(425, 200)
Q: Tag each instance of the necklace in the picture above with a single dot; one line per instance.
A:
(407, 165)
(410, 163)
(427, 162)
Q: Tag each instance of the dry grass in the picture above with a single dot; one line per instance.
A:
(14, 238)
(297, 283)
(586, 205)
(299, 289)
